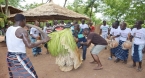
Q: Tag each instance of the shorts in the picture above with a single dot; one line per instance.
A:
(97, 49)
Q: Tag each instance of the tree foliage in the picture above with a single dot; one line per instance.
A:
(116, 9)
(31, 6)
(127, 10)
(82, 7)
(15, 3)
(136, 11)
(91, 4)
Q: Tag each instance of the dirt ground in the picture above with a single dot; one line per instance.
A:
(46, 68)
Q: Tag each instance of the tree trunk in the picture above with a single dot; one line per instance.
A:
(6, 7)
(47, 1)
(64, 3)
(50, 0)
(1, 9)
(91, 11)
(42, 1)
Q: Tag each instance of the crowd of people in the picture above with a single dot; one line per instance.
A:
(121, 34)
(84, 35)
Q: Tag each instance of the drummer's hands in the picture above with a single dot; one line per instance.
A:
(112, 37)
(108, 37)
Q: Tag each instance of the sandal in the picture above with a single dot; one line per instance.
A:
(139, 69)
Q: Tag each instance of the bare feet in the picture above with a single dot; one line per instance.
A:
(117, 60)
(39, 54)
(35, 55)
(47, 52)
(93, 62)
(125, 61)
(132, 66)
(99, 68)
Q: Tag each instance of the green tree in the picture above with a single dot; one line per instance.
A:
(116, 9)
(64, 3)
(136, 11)
(1, 1)
(31, 6)
(91, 4)
(15, 3)
(79, 6)
(6, 7)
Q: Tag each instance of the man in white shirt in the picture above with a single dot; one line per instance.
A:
(83, 25)
(115, 33)
(48, 28)
(19, 65)
(35, 34)
(104, 30)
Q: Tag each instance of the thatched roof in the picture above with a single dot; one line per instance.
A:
(12, 9)
(51, 11)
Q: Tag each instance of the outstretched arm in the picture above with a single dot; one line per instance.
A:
(87, 43)
(27, 41)
(44, 35)
(22, 34)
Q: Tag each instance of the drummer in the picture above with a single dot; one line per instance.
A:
(115, 33)
(35, 34)
(122, 54)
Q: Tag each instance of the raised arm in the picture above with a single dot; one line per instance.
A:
(44, 35)
(22, 34)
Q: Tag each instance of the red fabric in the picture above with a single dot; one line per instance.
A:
(92, 28)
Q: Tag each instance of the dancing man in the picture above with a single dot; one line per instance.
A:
(19, 65)
(99, 45)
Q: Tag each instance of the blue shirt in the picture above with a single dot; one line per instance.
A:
(79, 35)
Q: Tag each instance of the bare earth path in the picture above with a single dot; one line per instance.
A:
(46, 68)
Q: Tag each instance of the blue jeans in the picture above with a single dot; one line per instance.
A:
(84, 47)
(35, 50)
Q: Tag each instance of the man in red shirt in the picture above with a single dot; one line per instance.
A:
(92, 28)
